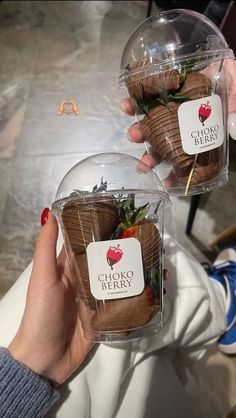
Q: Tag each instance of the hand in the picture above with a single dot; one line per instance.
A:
(135, 134)
(50, 340)
(231, 71)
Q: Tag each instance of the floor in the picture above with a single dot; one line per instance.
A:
(52, 51)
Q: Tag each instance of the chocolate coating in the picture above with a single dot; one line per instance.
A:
(88, 221)
(207, 167)
(196, 86)
(152, 85)
(123, 314)
(201, 174)
(150, 240)
(162, 128)
(81, 274)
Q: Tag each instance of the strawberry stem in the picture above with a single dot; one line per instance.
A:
(129, 216)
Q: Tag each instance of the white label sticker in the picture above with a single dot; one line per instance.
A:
(115, 268)
(201, 124)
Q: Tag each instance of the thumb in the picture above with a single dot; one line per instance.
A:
(232, 94)
(231, 82)
(45, 261)
(232, 125)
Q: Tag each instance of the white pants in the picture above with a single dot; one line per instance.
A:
(137, 379)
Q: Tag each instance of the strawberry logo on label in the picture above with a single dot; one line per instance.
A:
(114, 255)
(204, 112)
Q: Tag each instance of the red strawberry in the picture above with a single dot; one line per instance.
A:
(151, 295)
(114, 254)
(128, 232)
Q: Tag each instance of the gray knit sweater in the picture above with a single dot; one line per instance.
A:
(23, 394)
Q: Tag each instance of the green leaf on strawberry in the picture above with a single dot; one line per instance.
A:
(148, 104)
(101, 188)
(96, 189)
(139, 214)
(129, 216)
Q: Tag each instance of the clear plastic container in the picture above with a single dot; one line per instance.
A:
(110, 208)
(174, 68)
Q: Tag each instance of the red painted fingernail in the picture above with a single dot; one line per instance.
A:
(44, 216)
(166, 274)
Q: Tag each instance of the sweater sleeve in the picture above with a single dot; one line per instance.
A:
(22, 392)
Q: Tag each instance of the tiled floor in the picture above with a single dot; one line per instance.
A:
(51, 51)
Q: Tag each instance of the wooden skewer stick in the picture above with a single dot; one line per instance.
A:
(190, 175)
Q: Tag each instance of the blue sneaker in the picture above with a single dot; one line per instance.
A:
(227, 342)
(224, 272)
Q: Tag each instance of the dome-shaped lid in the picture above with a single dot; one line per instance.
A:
(173, 38)
(110, 172)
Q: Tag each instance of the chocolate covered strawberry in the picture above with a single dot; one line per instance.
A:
(150, 240)
(201, 173)
(79, 265)
(125, 314)
(161, 128)
(142, 83)
(134, 224)
(89, 217)
(196, 86)
(114, 255)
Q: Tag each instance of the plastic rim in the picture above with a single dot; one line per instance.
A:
(163, 196)
(152, 69)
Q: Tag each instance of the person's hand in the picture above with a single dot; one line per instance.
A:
(135, 134)
(50, 340)
(231, 71)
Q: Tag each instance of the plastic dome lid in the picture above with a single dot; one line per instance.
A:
(170, 38)
(121, 172)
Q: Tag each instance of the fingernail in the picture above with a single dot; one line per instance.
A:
(123, 107)
(138, 133)
(166, 274)
(129, 137)
(44, 216)
(136, 136)
(232, 125)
